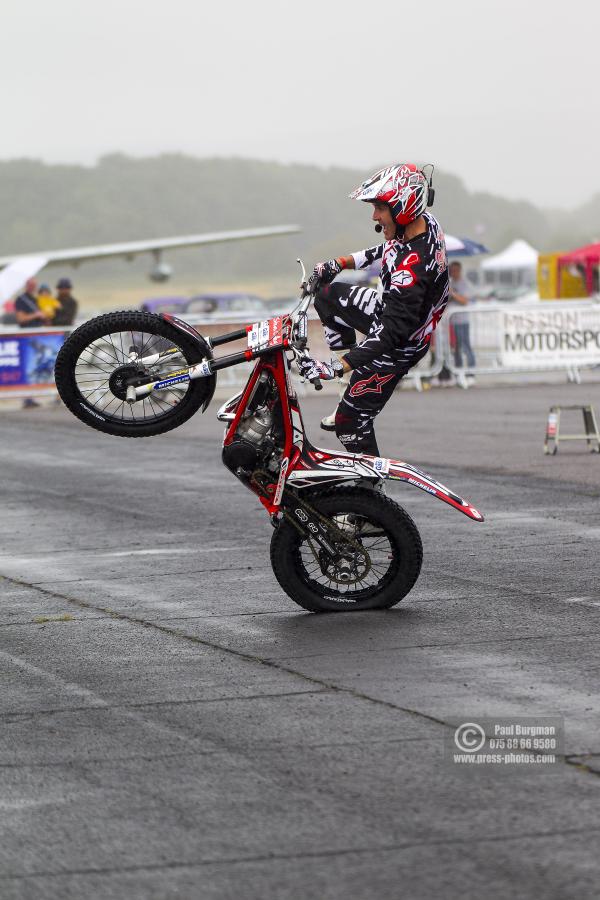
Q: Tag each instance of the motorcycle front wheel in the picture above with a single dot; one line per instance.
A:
(379, 548)
(94, 363)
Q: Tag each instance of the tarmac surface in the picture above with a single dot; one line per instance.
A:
(174, 726)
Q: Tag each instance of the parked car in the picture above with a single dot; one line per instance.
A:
(173, 305)
(210, 305)
(226, 304)
(278, 306)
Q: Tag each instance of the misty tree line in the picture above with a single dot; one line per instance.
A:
(120, 198)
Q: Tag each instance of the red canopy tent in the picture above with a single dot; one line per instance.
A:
(587, 257)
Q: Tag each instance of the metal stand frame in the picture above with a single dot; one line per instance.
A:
(553, 435)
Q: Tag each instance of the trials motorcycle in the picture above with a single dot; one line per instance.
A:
(337, 543)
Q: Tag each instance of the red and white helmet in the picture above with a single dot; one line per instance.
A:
(403, 187)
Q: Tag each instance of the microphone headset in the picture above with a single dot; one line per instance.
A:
(430, 190)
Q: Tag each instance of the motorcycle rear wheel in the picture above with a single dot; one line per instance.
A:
(375, 522)
(93, 364)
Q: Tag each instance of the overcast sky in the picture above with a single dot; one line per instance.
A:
(502, 94)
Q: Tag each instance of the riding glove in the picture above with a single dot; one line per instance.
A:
(324, 272)
(311, 368)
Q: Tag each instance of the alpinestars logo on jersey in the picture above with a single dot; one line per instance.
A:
(372, 385)
(403, 275)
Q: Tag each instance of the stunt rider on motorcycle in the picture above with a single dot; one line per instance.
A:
(398, 318)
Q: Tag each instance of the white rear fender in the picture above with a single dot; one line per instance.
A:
(329, 467)
(401, 471)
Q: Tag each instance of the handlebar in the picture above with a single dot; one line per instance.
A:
(299, 322)
(305, 293)
(299, 261)
(299, 327)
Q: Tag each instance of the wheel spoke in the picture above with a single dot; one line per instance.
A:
(104, 355)
(367, 571)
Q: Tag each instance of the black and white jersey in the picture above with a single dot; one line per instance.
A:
(414, 292)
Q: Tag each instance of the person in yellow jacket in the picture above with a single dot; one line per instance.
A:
(46, 302)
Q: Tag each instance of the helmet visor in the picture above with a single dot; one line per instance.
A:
(373, 186)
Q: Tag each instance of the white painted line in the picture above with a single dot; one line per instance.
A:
(584, 601)
(148, 551)
(166, 551)
(545, 524)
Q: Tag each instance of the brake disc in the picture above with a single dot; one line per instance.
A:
(354, 565)
(119, 379)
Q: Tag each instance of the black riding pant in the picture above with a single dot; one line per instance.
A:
(345, 309)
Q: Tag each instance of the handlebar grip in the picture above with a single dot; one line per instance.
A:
(316, 382)
(308, 288)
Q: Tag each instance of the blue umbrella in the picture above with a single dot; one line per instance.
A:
(463, 247)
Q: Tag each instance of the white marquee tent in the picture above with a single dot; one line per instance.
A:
(516, 264)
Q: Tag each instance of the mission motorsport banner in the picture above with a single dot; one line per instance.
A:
(531, 337)
(27, 359)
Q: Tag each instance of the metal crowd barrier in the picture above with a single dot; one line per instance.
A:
(509, 339)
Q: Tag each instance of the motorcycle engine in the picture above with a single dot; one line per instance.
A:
(251, 444)
(255, 427)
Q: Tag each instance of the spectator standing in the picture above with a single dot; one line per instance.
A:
(46, 302)
(29, 315)
(68, 305)
(460, 295)
(27, 310)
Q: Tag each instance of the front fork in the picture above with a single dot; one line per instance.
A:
(304, 520)
(313, 526)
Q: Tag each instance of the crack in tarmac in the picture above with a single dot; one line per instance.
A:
(275, 746)
(314, 854)
(150, 704)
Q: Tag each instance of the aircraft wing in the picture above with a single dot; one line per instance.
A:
(132, 248)
(15, 274)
